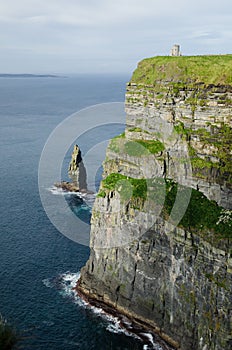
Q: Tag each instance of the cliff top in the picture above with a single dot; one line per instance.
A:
(212, 69)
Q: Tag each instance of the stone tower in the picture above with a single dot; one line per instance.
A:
(175, 51)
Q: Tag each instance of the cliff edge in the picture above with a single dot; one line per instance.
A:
(162, 223)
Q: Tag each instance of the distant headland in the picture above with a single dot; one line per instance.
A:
(28, 76)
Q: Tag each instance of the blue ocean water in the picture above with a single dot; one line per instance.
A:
(38, 265)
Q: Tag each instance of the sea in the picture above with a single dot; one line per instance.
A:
(39, 265)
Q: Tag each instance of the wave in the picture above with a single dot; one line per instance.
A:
(88, 198)
(152, 341)
(65, 284)
(57, 191)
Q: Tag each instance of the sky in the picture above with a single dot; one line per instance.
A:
(107, 36)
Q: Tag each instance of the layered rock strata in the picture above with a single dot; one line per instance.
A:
(161, 224)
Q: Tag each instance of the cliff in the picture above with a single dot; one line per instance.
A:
(161, 223)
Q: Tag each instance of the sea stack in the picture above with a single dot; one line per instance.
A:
(76, 159)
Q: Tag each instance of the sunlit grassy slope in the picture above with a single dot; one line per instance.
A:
(212, 69)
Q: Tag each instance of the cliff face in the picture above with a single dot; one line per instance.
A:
(161, 224)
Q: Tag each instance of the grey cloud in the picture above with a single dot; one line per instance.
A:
(107, 35)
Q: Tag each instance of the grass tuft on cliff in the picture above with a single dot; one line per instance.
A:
(143, 147)
(220, 138)
(137, 188)
(135, 147)
(211, 69)
(201, 217)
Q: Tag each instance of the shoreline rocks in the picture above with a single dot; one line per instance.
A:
(71, 187)
(128, 321)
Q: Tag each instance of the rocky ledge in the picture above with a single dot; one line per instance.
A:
(162, 223)
(67, 186)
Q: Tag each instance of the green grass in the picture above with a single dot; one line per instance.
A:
(224, 145)
(136, 187)
(153, 146)
(135, 148)
(213, 69)
(202, 216)
(115, 143)
(180, 129)
(101, 194)
(220, 137)
(199, 163)
(136, 129)
(138, 148)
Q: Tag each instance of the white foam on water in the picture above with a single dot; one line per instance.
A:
(155, 346)
(66, 283)
(72, 278)
(89, 198)
(61, 192)
(47, 282)
(84, 207)
(56, 191)
(115, 327)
